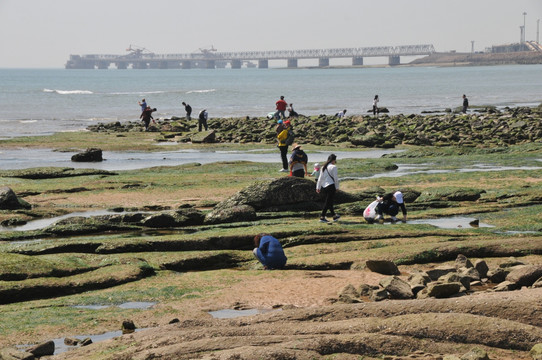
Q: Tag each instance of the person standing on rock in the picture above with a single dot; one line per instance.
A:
(188, 110)
(146, 117)
(283, 145)
(375, 105)
(281, 108)
(143, 105)
(328, 183)
(202, 120)
(269, 252)
(465, 104)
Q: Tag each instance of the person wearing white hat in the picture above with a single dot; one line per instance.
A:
(390, 205)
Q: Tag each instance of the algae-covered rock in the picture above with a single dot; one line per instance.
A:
(89, 155)
(179, 218)
(10, 201)
(285, 193)
(235, 213)
(52, 173)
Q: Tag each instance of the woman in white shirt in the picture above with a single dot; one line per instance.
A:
(328, 183)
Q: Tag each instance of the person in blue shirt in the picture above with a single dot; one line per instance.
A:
(269, 251)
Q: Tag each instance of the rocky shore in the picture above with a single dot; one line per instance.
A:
(485, 127)
(181, 238)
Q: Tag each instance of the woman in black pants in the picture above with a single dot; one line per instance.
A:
(328, 183)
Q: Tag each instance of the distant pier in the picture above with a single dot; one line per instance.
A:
(211, 59)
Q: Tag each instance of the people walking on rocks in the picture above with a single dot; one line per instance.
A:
(465, 104)
(292, 112)
(375, 105)
(281, 105)
(282, 138)
(269, 252)
(328, 183)
(298, 161)
(202, 120)
(188, 110)
(316, 172)
(146, 117)
(390, 205)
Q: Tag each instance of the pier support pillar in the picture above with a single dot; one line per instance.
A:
(292, 63)
(394, 60)
(187, 64)
(173, 65)
(210, 64)
(103, 65)
(122, 65)
(139, 65)
(357, 61)
(263, 64)
(323, 62)
(236, 64)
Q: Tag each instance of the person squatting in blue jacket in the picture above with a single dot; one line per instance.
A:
(269, 251)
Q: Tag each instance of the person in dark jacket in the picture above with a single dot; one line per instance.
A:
(465, 104)
(146, 116)
(202, 120)
(269, 251)
(188, 110)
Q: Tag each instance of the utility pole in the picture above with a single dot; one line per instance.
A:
(537, 30)
(524, 30)
(472, 46)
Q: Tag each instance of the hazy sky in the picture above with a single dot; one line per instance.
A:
(43, 33)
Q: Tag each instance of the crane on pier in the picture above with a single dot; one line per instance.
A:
(137, 51)
(208, 52)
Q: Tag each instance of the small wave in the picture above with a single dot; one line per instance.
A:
(201, 91)
(27, 121)
(69, 92)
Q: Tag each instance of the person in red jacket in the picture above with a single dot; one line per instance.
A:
(281, 108)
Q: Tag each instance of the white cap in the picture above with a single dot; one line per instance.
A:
(398, 197)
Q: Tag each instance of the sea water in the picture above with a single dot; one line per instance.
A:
(45, 101)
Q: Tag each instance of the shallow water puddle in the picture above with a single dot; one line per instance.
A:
(451, 223)
(42, 223)
(231, 313)
(141, 305)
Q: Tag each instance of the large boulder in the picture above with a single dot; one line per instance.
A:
(384, 267)
(525, 275)
(397, 287)
(10, 201)
(203, 137)
(439, 290)
(285, 193)
(43, 349)
(89, 155)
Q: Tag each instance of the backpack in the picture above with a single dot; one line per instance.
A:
(300, 156)
(290, 138)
